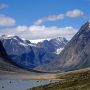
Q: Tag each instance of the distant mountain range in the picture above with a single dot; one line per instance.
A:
(29, 55)
(75, 55)
(55, 55)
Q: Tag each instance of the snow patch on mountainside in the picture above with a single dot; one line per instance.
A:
(59, 50)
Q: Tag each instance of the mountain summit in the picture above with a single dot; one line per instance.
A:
(76, 53)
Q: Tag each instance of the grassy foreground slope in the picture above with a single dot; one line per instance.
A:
(73, 80)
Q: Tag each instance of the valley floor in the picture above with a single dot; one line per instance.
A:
(27, 76)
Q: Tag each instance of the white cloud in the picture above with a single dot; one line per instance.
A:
(74, 13)
(6, 20)
(40, 32)
(49, 18)
(3, 5)
(21, 28)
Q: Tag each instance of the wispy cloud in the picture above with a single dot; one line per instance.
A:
(6, 20)
(3, 5)
(72, 14)
(49, 18)
(40, 32)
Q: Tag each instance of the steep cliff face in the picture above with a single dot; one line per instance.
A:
(5, 61)
(76, 53)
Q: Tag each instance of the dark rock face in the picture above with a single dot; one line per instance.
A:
(76, 53)
(2, 51)
(5, 61)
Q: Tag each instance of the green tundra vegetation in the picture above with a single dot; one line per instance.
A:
(73, 80)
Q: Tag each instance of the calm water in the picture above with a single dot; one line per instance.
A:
(9, 82)
(21, 84)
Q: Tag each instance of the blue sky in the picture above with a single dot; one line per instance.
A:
(47, 13)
